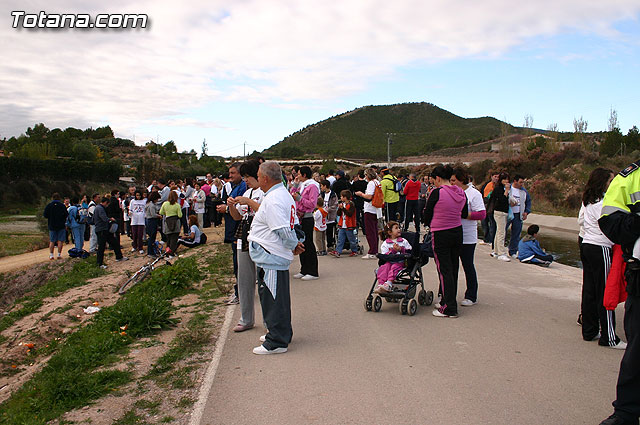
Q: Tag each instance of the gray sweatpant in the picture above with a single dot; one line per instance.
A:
(246, 287)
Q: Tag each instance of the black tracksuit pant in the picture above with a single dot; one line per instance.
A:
(105, 237)
(595, 318)
(447, 245)
(276, 310)
(466, 255)
(627, 405)
(309, 258)
(412, 213)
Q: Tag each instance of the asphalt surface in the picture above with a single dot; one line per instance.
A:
(517, 357)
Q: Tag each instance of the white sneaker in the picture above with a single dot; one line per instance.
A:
(368, 256)
(438, 314)
(261, 350)
(493, 254)
(504, 258)
(621, 345)
(309, 277)
(298, 276)
(466, 302)
(133, 250)
(263, 338)
(514, 256)
(141, 252)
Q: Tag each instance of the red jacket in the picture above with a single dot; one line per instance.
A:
(615, 290)
(347, 212)
(412, 190)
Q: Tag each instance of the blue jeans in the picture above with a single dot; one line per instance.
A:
(78, 236)
(516, 229)
(346, 234)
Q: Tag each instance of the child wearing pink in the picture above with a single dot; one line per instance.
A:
(392, 244)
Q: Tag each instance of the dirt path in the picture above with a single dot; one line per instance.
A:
(17, 262)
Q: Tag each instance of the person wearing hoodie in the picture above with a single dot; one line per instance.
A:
(443, 214)
(391, 197)
(529, 250)
(306, 199)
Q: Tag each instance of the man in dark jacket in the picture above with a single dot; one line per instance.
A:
(359, 185)
(341, 183)
(102, 222)
(115, 211)
(56, 214)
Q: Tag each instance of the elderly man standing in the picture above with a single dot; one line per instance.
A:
(272, 245)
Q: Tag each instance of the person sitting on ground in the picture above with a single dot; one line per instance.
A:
(392, 243)
(194, 236)
(346, 225)
(529, 250)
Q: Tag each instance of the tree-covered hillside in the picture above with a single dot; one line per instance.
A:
(419, 128)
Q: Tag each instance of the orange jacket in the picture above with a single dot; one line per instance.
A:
(347, 212)
(615, 290)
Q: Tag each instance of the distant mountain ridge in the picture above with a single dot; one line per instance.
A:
(418, 128)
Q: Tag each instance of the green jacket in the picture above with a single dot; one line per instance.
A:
(387, 184)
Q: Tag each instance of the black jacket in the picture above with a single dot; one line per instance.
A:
(56, 214)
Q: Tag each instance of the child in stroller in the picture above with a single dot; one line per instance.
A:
(392, 243)
(405, 282)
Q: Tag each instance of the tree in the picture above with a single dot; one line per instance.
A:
(552, 131)
(204, 148)
(632, 139)
(580, 127)
(38, 133)
(613, 143)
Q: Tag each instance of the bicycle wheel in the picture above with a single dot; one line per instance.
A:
(139, 276)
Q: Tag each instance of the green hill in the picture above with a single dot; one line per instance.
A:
(419, 128)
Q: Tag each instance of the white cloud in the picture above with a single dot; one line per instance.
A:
(276, 52)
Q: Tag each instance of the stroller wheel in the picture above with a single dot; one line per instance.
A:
(422, 297)
(429, 298)
(367, 304)
(377, 303)
(412, 307)
(403, 307)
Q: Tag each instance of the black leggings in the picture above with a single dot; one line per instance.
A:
(309, 258)
(466, 255)
(447, 245)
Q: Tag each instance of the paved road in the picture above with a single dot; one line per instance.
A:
(515, 358)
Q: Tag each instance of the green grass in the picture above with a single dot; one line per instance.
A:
(192, 339)
(78, 372)
(15, 243)
(152, 407)
(130, 418)
(167, 419)
(81, 272)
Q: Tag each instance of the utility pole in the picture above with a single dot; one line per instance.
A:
(389, 143)
(244, 150)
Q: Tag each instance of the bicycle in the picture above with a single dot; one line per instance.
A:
(143, 273)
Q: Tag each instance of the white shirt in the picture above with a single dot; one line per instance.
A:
(277, 211)
(196, 230)
(368, 208)
(516, 194)
(227, 188)
(470, 227)
(592, 233)
(253, 194)
(387, 246)
(331, 179)
(319, 222)
(136, 211)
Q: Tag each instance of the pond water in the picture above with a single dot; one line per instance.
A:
(562, 245)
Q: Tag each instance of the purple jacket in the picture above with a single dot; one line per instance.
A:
(308, 200)
(445, 208)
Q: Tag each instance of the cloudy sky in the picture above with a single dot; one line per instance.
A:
(256, 71)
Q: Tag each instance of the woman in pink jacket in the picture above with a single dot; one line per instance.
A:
(306, 199)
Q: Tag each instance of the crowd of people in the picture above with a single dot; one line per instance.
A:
(270, 215)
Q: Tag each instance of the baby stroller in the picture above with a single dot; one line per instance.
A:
(406, 282)
(347, 245)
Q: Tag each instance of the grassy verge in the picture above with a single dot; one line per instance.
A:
(82, 271)
(79, 371)
(14, 244)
